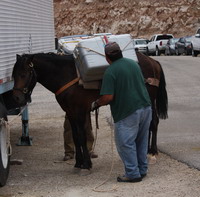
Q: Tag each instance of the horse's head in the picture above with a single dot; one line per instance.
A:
(24, 79)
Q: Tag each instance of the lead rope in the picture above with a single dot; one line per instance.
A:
(115, 187)
(97, 127)
(19, 114)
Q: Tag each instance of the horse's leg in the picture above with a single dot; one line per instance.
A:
(150, 136)
(79, 127)
(89, 134)
(152, 149)
(84, 126)
(78, 152)
(154, 129)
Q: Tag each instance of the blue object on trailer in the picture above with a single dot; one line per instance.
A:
(25, 139)
(4, 87)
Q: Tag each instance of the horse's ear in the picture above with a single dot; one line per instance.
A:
(18, 56)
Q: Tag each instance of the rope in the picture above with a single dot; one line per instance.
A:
(127, 45)
(19, 114)
(115, 187)
(89, 49)
(96, 128)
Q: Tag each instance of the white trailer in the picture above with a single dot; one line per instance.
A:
(25, 27)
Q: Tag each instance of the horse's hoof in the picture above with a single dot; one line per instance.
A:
(85, 172)
(77, 165)
(87, 165)
(152, 159)
(76, 170)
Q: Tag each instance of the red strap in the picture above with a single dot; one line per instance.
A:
(106, 39)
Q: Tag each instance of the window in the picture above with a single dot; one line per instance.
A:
(164, 37)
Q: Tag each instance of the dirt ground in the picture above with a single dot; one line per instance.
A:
(44, 174)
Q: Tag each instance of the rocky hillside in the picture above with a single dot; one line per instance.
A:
(141, 18)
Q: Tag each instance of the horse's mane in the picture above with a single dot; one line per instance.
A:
(51, 56)
(47, 57)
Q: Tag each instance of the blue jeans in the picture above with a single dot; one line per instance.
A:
(131, 138)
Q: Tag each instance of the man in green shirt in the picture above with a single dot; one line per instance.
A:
(124, 89)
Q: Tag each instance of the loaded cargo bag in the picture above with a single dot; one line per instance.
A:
(90, 57)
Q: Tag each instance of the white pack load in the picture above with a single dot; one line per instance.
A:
(90, 57)
(67, 44)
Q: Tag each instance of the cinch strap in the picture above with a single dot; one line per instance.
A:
(67, 86)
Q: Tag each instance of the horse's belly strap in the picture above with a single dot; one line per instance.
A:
(152, 81)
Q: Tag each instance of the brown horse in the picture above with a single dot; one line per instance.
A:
(58, 74)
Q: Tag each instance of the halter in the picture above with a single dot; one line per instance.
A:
(26, 90)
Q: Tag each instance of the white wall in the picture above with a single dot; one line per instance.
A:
(26, 26)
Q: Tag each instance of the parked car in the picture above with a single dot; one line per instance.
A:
(196, 43)
(170, 46)
(140, 45)
(184, 46)
(157, 44)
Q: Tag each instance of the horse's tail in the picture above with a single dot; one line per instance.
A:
(162, 98)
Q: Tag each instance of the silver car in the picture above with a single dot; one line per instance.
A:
(140, 45)
(170, 47)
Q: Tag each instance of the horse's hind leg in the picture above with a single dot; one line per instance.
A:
(87, 164)
(150, 136)
(78, 151)
(80, 140)
(152, 148)
(155, 121)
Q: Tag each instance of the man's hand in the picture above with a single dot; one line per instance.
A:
(94, 106)
(103, 100)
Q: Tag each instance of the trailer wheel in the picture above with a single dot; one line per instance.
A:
(4, 149)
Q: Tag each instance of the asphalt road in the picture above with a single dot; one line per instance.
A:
(179, 135)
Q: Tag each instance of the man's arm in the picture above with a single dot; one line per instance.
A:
(103, 100)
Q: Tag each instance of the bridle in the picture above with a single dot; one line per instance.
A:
(26, 89)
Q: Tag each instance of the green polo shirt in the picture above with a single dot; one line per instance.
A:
(124, 79)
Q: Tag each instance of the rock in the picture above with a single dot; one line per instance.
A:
(139, 18)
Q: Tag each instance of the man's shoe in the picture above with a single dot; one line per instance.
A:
(68, 157)
(143, 175)
(93, 155)
(128, 180)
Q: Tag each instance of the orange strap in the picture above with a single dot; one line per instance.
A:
(67, 86)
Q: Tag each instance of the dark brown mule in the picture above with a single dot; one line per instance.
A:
(54, 72)
(156, 86)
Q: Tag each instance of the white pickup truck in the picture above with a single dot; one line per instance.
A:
(196, 43)
(157, 44)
